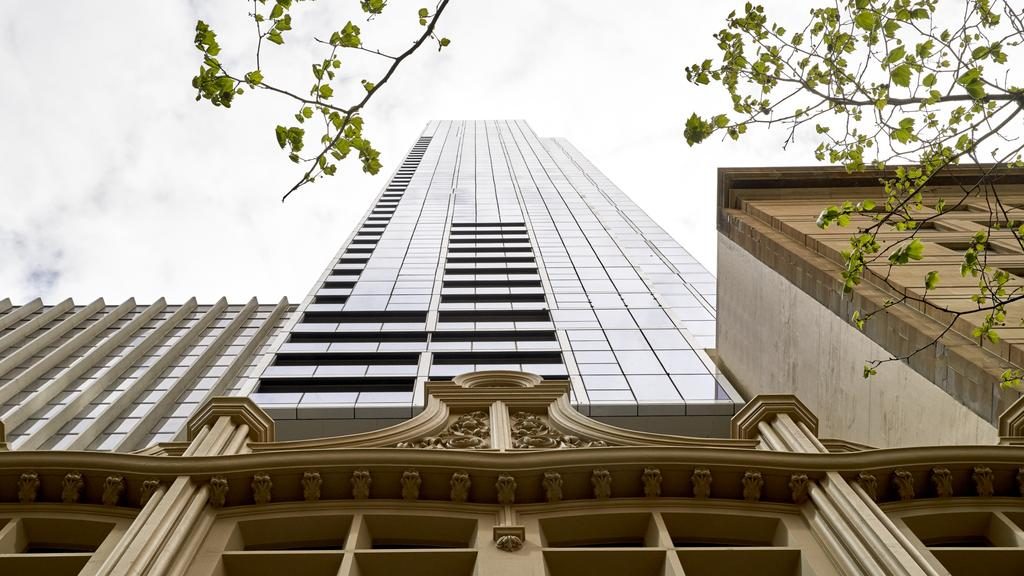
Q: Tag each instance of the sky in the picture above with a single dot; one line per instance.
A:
(115, 183)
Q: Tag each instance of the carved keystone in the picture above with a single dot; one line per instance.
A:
(509, 538)
(71, 488)
(601, 480)
(506, 487)
(218, 491)
(552, 483)
(460, 484)
(942, 479)
(113, 487)
(28, 487)
(261, 486)
(701, 480)
(752, 484)
(311, 483)
(361, 482)
(984, 481)
(411, 485)
(904, 482)
(652, 482)
(799, 486)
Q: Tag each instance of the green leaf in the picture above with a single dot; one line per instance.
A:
(931, 280)
(444, 42)
(980, 52)
(277, 11)
(866, 20)
(929, 81)
(423, 13)
(696, 130)
(901, 75)
(326, 91)
(307, 112)
(254, 77)
(896, 55)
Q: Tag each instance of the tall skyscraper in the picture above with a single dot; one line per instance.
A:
(493, 249)
(424, 410)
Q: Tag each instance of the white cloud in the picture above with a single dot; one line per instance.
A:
(117, 184)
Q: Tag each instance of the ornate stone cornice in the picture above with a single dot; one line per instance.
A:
(764, 408)
(240, 409)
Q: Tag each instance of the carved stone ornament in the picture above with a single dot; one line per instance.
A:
(506, 487)
(509, 543)
(28, 487)
(752, 484)
(552, 483)
(470, 431)
(411, 485)
(799, 487)
(531, 430)
(904, 482)
(218, 491)
(262, 486)
(869, 483)
(701, 480)
(71, 488)
(311, 483)
(652, 482)
(149, 487)
(460, 484)
(601, 480)
(942, 479)
(984, 481)
(113, 487)
(361, 481)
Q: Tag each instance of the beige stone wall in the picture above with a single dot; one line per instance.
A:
(774, 338)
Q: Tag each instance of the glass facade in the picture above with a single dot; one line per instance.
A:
(493, 249)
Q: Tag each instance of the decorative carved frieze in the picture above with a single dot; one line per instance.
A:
(460, 484)
(28, 487)
(601, 480)
(411, 485)
(509, 543)
(531, 430)
(113, 487)
(652, 482)
(904, 482)
(311, 485)
(506, 487)
(799, 487)
(361, 482)
(552, 483)
(71, 488)
(752, 484)
(701, 479)
(149, 487)
(262, 485)
(469, 431)
(870, 485)
(942, 479)
(218, 491)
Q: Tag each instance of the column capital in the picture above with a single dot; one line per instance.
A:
(1011, 423)
(240, 409)
(764, 408)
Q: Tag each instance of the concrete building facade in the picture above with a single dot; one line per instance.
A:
(509, 369)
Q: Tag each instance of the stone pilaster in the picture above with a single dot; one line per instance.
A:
(854, 530)
(175, 520)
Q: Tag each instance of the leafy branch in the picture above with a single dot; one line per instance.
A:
(342, 131)
(882, 83)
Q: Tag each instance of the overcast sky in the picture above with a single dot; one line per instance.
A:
(115, 183)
